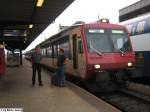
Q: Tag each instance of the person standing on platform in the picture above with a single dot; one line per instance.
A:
(61, 67)
(36, 65)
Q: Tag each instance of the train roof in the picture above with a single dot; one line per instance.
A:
(59, 33)
(104, 25)
(142, 17)
(139, 25)
(89, 25)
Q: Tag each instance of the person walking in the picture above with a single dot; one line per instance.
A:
(36, 65)
(61, 66)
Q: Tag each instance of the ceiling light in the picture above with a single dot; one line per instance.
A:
(39, 3)
(31, 26)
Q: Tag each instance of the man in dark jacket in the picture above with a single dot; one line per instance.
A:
(36, 65)
(61, 62)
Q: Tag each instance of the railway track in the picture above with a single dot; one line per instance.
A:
(139, 88)
(127, 101)
(135, 98)
(142, 80)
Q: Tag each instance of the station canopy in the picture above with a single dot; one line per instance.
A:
(21, 21)
(139, 8)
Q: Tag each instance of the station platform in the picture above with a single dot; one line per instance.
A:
(16, 91)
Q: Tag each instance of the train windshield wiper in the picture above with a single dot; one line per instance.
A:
(98, 52)
(122, 52)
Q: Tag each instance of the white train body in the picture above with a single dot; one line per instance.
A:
(139, 29)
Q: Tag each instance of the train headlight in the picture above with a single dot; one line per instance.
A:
(97, 66)
(129, 64)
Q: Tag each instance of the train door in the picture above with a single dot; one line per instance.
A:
(79, 63)
(75, 53)
(81, 58)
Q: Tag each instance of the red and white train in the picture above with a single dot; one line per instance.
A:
(96, 51)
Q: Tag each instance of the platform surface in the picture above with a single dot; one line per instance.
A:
(16, 91)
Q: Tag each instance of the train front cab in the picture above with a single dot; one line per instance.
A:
(91, 62)
(2, 61)
(103, 61)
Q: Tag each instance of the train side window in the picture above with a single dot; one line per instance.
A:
(80, 48)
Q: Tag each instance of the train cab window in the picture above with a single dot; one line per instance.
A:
(98, 40)
(80, 48)
(120, 40)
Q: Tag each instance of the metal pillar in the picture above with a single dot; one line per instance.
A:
(20, 57)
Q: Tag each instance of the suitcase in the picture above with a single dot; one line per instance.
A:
(56, 80)
(53, 79)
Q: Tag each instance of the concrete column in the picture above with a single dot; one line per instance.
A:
(20, 57)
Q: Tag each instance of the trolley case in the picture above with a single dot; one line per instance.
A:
(55, 80)
(53, 77)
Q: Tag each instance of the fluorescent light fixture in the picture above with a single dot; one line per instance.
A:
(31, 26)
(39, 3)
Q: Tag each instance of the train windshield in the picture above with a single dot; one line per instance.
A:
(120, 40)
(107, 40)
(98, 40)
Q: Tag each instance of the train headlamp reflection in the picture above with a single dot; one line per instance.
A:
(97, 66)
(129, 64)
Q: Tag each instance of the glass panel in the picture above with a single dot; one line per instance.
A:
(120, 41)
(98, 40)
(80, 48)
(107, 40)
